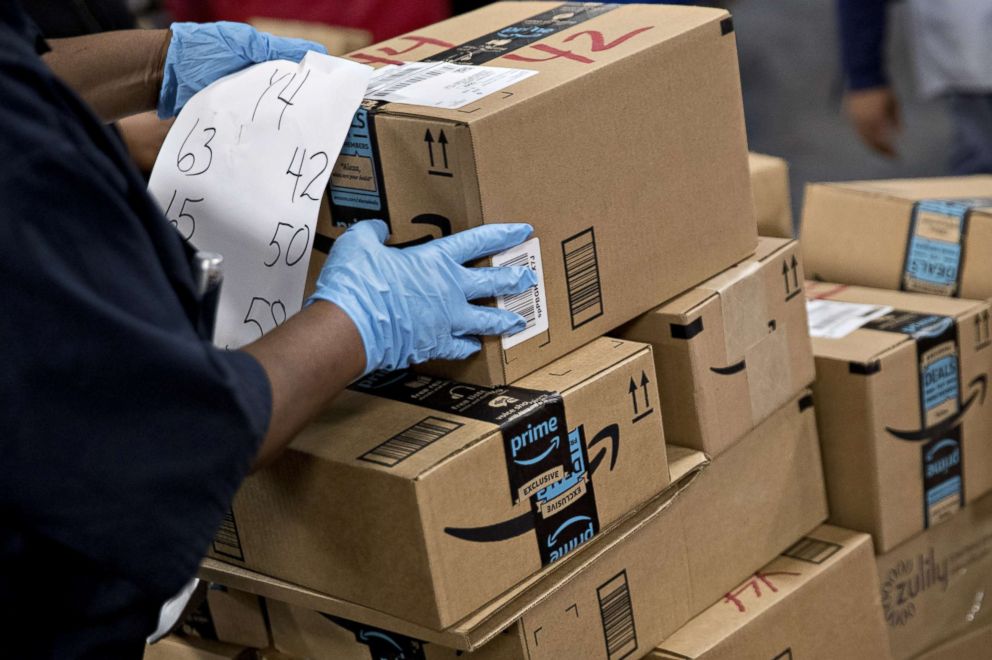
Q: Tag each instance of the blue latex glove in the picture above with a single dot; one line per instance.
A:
(200, 53)
(411, 305)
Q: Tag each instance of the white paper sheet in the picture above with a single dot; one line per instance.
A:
(242, 172)
(834, 319)
(441, 84)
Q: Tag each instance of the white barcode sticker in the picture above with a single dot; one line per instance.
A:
(833, 319)
(531, 304)
(441, 84)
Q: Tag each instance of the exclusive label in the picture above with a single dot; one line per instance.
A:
(938, 359)
(935, 249)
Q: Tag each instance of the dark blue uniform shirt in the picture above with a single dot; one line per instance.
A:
(123, 432)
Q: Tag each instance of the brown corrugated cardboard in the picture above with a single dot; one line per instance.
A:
(179, 648)
(406, 495)
(817, 601)
(731, 351)
(621, 227)
(900, 455)
(935, 587)
(860, 233)
(238, 617)
(772, 199)
(647, 577)
(337, 40)
(973, 645)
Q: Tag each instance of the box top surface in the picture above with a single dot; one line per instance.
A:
(561, 41)
(768, 250)
(912, 190)
(722, 620)
(764, 162)
(499, 614)
(863, 344)
(340, 434)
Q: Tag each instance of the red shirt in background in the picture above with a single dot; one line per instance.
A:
(383, 18)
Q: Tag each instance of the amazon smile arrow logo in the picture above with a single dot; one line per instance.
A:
(979, 386)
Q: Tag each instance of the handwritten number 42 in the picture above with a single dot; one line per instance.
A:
(318, 158)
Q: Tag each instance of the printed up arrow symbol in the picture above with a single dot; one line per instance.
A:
(633, 393)
(644, 386)
(443, 141)
(429, 139)
(795, 271)
(785, 276)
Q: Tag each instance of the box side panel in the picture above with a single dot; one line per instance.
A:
(772, 199)
(623, 456)
(852, 237)
(613, 248)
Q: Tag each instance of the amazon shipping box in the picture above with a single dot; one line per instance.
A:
(936, 586)
(624, 591)
(426, 498)
(920, 235)
(731, 351)
(772, 198)
(636, 183)
(181, 648)
(818, 600)
(904, 418)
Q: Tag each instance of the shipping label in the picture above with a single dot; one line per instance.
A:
(532, 303)
(834, 319)
(935, 248)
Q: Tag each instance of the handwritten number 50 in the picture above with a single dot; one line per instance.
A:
(295, 249)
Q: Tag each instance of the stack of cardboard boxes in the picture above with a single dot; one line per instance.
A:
(525, 503)
(901, 392)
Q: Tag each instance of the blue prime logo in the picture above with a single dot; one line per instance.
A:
(930, 326)
(536, 434)
(570, 534)
(937, 466)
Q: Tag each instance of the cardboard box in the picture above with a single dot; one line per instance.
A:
(714, 526)
(904, 421)
(731, 351)
(817, 600)
(336, 39)
(238, 617)
(633, 173)
(973, 645)
(935, 587)
(922, 235)
(426, 498)
(772, 198)
(180, 648)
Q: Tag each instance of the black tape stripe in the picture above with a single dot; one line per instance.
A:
(865, 368)
(731, 369)
(726, 26)
(687, 331)
(322, 243)
(806, 402)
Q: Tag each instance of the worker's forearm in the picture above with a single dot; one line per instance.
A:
(309, 359)
(862, 40)
(117, 73)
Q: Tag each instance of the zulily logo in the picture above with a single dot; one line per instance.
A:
(535, 436)
(938, 464)
(907, 580)
(978, 385)
(570, 534)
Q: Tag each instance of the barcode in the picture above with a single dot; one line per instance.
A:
(812, 550)
(585, 296)
(525, 302)
(407, 78)
(408, 442)
(617, 612)
(227, 542)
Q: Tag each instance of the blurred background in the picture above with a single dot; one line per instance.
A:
(789, 55)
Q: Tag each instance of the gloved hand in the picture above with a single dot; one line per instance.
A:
(411, 305)
(200, 53)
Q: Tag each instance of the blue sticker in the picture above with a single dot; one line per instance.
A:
(935, 249)
(354, 181)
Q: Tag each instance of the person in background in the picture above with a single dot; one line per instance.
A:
(953, 58)
(384, 19)
(125, 432)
